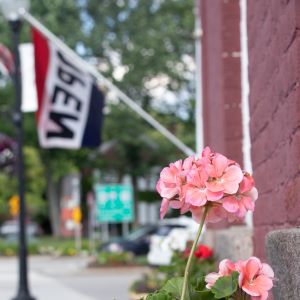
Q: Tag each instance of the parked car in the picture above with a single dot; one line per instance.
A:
(9, 229)
(137, 242)
(163, 247)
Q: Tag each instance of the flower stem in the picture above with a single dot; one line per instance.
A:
(188, 265)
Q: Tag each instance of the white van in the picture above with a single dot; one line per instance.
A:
(162, 247)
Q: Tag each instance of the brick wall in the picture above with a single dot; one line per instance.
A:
(221, 76)
(274, 70)
(222, 79)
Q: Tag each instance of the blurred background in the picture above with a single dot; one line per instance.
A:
(146, 48)
(213, 72)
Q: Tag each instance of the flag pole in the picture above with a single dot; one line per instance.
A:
(103, 80)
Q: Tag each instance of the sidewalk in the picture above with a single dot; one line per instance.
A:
(44, 288)
(67, 278)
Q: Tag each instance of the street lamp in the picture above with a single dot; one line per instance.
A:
(12, 9)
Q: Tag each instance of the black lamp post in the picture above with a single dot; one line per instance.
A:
(11, 10)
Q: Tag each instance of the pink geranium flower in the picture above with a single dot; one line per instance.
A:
(168, 186)
(196, 192)
(164, 206)
(173, 178)
(207, 153)
(211, 181)
(215, 214)
(226, 267)
(243, 200)
(224, 177)
(256, 278)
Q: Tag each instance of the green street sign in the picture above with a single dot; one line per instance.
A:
(114, 203)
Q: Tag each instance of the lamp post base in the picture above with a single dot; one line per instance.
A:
(28, 297)
(23, 296)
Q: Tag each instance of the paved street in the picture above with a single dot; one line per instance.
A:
(67, 278)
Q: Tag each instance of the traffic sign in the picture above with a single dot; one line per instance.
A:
(114, 203)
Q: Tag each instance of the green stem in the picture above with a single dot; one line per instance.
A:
(188, 265)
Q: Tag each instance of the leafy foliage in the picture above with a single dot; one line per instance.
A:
(115, 259)
(225, 286)
(160, 295)
(174, 287)
(148, 37)
(149, 42)
(168, 279)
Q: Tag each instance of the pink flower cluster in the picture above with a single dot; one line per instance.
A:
(212, 179)
(255, 278)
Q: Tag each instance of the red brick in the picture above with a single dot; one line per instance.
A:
(274, 74)
(222, 80)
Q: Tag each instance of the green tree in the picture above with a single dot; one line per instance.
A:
(140, 45)
(149, 39)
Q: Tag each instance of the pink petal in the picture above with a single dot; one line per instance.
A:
(213, 196)
(246, 184)
(164, 207)
(252, 267)
(231, 204)
(230, 187)
(216, 214)
(168, 192)
(211, 279)
(267, 270)
(158, 186)
(167, 175)
(253, 194)
(263, 296)
(185, 208)
(241, 279)
(197, 213)
(248, 203)
(197, 177)
(232, 178)
(263, 283)
(196, 196)
(226, 267)
(177, 164)
(241, 213)
(233, 173)
(206, 152)
(215, 186)
(220, 163)
(188, 163)
(250, 289)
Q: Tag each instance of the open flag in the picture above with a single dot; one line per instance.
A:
(70, 104)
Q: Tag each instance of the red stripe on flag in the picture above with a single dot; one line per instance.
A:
(41, 59)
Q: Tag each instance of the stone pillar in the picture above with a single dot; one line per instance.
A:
(283, 251)
(274, 75)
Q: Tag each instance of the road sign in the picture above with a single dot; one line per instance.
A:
(114, 203)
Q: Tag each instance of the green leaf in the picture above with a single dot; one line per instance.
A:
(159, 295)
(202, 295)
(174, 287)
(225, 286)
(200, 292)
